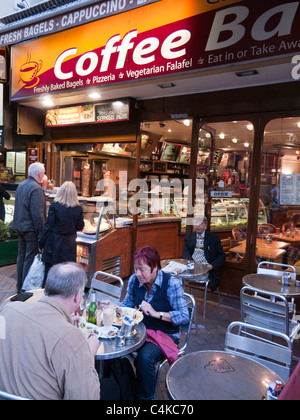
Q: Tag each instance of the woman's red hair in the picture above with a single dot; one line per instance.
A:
(148, 255)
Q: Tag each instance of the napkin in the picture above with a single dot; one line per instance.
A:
(291, 391)
(165, 343)
(174, 268)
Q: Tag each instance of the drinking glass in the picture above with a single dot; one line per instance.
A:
(108, 315)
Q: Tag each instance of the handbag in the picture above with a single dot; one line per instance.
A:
(35, 275)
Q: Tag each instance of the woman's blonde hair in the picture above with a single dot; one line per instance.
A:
(67, 195)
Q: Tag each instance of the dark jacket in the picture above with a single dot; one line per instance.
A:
(58, 239)
(3, 194)
(30, 207)
(213, 252)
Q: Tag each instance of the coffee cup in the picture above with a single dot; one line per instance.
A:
(29, 71)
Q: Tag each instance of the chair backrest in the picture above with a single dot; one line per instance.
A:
(11, 397)
(226, 244)
(238, 234)
(266, 228)
(264, 309)
(254, 342)
(186, 328)
(275, 269)
(105, 290)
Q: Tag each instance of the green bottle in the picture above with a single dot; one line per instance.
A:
(92, 308)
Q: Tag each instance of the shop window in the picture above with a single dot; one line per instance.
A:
(224, 155)
(280, 184)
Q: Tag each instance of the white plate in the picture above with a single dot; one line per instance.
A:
(107, 332)
(101, 332)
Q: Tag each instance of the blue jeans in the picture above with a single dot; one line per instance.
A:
(148, 355)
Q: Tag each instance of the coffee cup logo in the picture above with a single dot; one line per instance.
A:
(29, 72)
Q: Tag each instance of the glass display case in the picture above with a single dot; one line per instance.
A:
(227, 213)
(99, 217)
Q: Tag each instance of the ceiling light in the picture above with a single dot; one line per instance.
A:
(94, 95)
(246, 73)
(187, 123)
(246, 144)
(250, 127)
(222, 136)
(298, 124)
(166, 85)
(234, 140)
(169, 130)
(47, 101)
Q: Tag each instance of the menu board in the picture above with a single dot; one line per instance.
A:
(290, 190)
(97, 113)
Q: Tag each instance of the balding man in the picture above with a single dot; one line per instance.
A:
(43, 355)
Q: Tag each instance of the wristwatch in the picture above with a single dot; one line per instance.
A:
(161, 314)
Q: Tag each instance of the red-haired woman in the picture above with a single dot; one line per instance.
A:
(160, 296)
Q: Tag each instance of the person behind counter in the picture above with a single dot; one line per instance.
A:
(160, 296)
(205, 247)
(3, 194)
(65, 218)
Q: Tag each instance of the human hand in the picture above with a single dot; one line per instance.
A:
(147, 309)
(93, 343)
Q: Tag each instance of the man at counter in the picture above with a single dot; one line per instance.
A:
(29, 218)
(205, 247)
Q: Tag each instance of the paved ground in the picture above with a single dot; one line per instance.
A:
(212, 337)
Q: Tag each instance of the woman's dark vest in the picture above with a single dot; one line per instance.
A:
(159, 303)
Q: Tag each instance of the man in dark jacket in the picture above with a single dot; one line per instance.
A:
(205, 247)
(29, 218)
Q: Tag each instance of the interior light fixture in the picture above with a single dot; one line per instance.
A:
(234, 140)
(47, 101)
(246, 73)
(250, 127)
(94, 95)
(222, 136)
(246, 144)
(166, 85)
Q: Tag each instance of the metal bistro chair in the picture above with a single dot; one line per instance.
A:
(273, 269)
(11, 397)
(267, 310)
(105, 290)
(254, 342)
(185, 333)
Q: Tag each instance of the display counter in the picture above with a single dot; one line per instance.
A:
(228, 213)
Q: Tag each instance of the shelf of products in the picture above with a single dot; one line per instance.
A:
(227, 213)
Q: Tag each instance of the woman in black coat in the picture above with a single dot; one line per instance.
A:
(65, 218)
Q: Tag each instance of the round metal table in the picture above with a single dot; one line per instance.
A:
(108, 349)
(271, 284)
(217, 375)
(199, 269)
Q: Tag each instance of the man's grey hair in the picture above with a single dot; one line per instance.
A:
(35, 168)
(198, 220)
(65, 280)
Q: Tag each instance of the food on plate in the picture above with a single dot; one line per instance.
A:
(131, 312)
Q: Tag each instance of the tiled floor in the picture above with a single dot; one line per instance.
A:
(211, 337)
